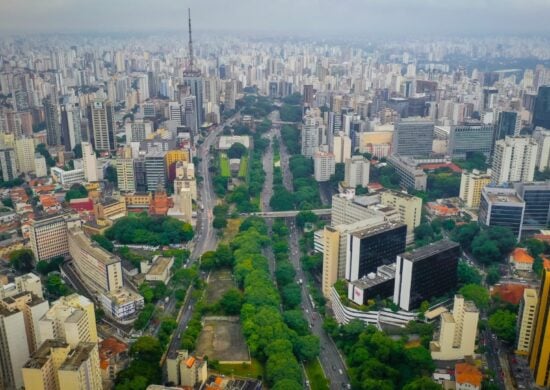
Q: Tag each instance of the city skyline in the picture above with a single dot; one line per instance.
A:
(374, 17)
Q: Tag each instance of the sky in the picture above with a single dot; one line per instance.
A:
(456, 17)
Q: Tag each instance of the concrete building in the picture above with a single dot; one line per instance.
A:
(24, 283)
(183, 204)
(457, 335)
(158, 270)
(124, 165)
(53, 127)
(89, 162)
(19, 316)
(71, 319)
(526, 321)
(24, 154)
(468, 138)
(425, 273)
(471, 184)
(185, 178)
(408, 206)
(341, 147)
(373, 285)
(110, 209)
(138, 130)
(67, 178)
(99, 269)
(172, 157)
(58, 366)
(185, 370)
(313, 132)
(521, 260)
(542, 137)
(155, 170)
(539, 351)
(357, 172)
(101, 125)
(8, 164)
(324, 165)
(413, 137)
(514, 160)
(71, 129)
(40, 167)
(410, 176)
(48, 235)
(123, 305)
(501, 207)
(536, 196)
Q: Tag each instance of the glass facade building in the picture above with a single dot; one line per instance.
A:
(501, 207)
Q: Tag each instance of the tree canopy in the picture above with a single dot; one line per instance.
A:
(22, 260)
(76, 191)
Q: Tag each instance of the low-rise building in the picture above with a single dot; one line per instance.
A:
(467, 377)
(158, 270)
(521, 260)
(410, 176)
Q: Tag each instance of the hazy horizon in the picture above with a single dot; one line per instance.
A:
(376, 17)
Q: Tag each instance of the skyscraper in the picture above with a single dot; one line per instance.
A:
(413, 137)
(471, 137)
(70, 125)
(541, 114)
(313, 133)
(8, 164)
(501, 207)
(192, 78)
(89, 161)
(539, 352)
(508, 125)
(514, 159)
(101, 125)
(53, 128)
(357, 171)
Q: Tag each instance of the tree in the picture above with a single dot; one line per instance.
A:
(45, 267)
(479, 295)
(292, 295)
(287, 384)
(22, 260)
(304, 217)
(43, 150)
(146, 349)
(465, 234)
(468, 274)
(77, 150)
(231, 302)
(493, 275)
(147, 292)
(56, 286)
(237, 150)
(485, 251)
(111, 174)
(422, 383)
(103, 242)
(76, 191)
(295, 320)
(503, 324)
(285, 273)
(306, 347)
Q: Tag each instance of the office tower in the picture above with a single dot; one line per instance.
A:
(341, 147)
(137, 130)
(457, 335)
(468, 138)
(501, 207)
(185, 178)
(124, 165)
(140, 176)
(514, 160)
(369, 248)
(357, 172)
(53, 128)
(155, 170)
(542, 137)
(230, 94)
(541, 113)
(425, 273)
(313, 133)
(174, 113)
(96, 266)
(539, 351)
(308, 94)
(24, 154)
(48, 236)
(471, 184)
(508, 125)
(71, 131)
(409, 175)
(171, 158)
(526, 321)
(19, 316)
(190, 114)
(101, 125)
(8, 164)
(58, 366)
(409, 208)
(536, 196)
(89, 162)
(323, 165)
(413, 137)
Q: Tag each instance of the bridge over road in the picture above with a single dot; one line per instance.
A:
(286, 214)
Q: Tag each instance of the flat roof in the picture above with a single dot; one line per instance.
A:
(78, 356)
(377, 229)
(160, 265)
(92, 247)
(429, 250)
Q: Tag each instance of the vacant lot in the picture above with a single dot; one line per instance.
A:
(219, 282)
(222, 339)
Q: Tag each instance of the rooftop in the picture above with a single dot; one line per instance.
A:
(41, 356)
(377, 229)
(93, 249)
(520, 255)
(468, 373)
(160, 263)
(78, 356)
(429, 250)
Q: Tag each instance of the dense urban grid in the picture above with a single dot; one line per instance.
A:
(247, 212)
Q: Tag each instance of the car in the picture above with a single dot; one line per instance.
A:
(340, 372)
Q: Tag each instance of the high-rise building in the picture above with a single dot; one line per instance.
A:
(19, 316)
(468, 138)
(425, 273)
(48, 235)
(190, 114)
(140, 176)
(526, 321)
(536, 196)
(369, 248)
(124, 165)
(40, 166)
(357, 171)
(8, 164)
(71, 131)
(508, 125)
(58, 366)
(471, 184)
(514, 160)
(541, 114)
(457, 335)
(101, 125)
(539, 351)
(155, 170)
(24, 153)
(89, 162)
(542, 137)
(138, 130)
(308, 94)
(53, 127)
(313, 133)
(70, 319)
(323, 165)
(174, 113)
(410, 176)
(413, 137)
(173, 156)
(409, 208)
(341, 147)
(24, 283)
(501, 207)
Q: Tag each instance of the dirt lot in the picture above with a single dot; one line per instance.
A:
(222, 339)
(218, 283)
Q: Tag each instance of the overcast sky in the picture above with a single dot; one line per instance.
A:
(370, 16)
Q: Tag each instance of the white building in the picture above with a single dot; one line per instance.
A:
(40, 167)
(67, 178)
(357, 171)
(542, 137)
(341, 147)
(324, 165)
(89, 161)
(138, 130)
(514, 160)
(313, 133)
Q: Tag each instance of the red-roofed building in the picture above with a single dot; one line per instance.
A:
(82, 204)
(113, 357)
(509, 292)
(467, 377)
(432, 167)
(521, 260)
